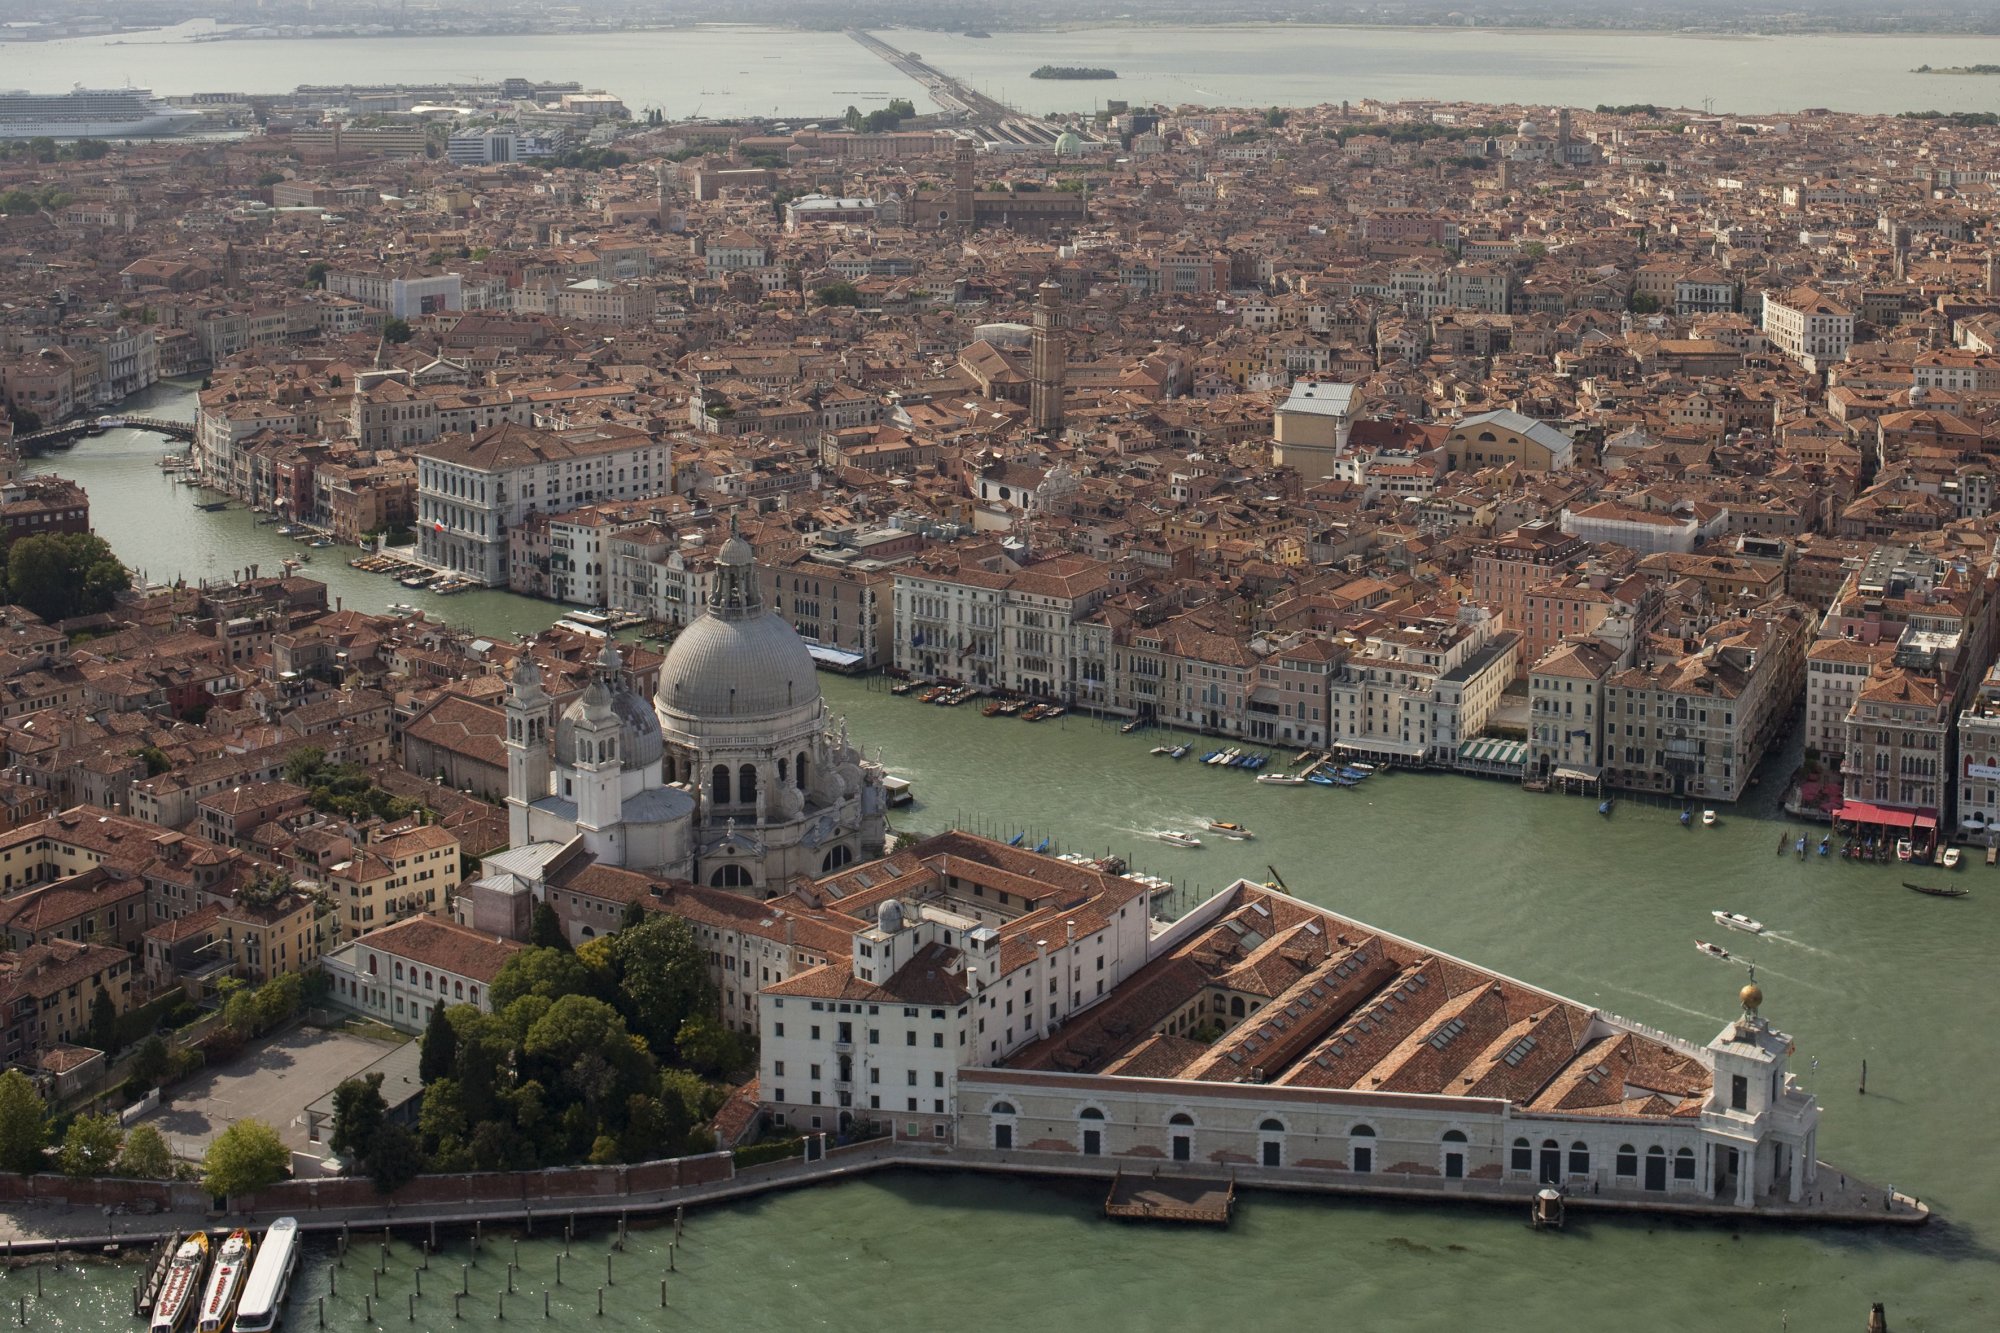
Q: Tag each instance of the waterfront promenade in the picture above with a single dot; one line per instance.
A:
(48, 1222)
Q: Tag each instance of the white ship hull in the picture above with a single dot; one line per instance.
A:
(99, 129)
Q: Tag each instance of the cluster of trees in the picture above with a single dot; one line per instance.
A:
(91, 1145)
(343, 789)
(838, 293)
(31, 201)
(248, 1011)
(591, 159)
(594, 1055)
(45, 149)
(1962, 119)
(884, 121)
(58, 575)
(1629, 109)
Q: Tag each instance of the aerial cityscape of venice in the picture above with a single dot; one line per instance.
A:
(782, 666)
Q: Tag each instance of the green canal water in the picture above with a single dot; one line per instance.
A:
(1601, 909)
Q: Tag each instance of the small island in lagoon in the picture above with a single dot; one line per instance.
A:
(1073, 72)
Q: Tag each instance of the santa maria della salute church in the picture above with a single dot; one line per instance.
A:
(734, 775)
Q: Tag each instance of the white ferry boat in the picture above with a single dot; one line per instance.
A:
(91, 113)
(270, 1278)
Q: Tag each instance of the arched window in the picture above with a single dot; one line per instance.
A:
(1272, 1126)
(1522, 1157)
(1579, 1159)
(799, 767)
(783, 765)
(746, 784)
(1236, 1006)
(1002, 1108)
(719, 785)
(835, 858)
(731, 876)
(1628, 1160)
(1180, 1118)
(1684, 1164)
(1361, 1149)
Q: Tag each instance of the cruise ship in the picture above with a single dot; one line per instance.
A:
(90, 113)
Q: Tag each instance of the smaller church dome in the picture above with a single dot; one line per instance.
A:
(610, 698)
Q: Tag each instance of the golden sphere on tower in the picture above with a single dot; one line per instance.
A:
(1752, 995)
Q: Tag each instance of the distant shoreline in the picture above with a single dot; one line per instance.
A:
(1958, 69)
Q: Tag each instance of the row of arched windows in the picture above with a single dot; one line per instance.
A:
(720, 788)
(1549, 1160)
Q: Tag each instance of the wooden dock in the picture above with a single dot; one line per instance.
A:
(1171, 1199)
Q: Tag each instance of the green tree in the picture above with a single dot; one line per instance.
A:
(902, 107)
(852, 119)
(633, 915)
(440, 1049)
(397, 331)
(663, 977)
(1276, 117)
(246, 1157)
(156, 759)
(316, 275)
(538, 970)
(24, 1124)
(240, 1014)
(91, 150)
(838, 293)
(545, 929)
(395, 1159)
(303, 765)
(706, 1046)
(90, 1146)
(359, 1112)
(150, 1063)
(1644, 303)
(62, 574)
(583, 1043)
(145, 1155)
(42, 148)
(278, 999)
(103, 1029)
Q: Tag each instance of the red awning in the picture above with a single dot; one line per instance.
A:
(1926, 821)
(1860, 812)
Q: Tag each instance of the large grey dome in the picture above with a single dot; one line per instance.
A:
(737, 660)
(737, 668)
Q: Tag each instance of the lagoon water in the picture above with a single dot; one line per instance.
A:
(721, 70)
(1604, 910)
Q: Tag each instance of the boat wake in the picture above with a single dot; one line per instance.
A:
(1762, 970)
(1800, 944)
(1661, 1000)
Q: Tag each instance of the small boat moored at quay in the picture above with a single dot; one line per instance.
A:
(1738, 921)
(225, 1283)
(1713, 950)
(1282, 779)
(1935, 890)
(1604, 807)
(182, 1285)
(1163, 749)
(1708, 819)
(1687, 819)
(1179, 752)
(1951, 858)
(1176, 838)
(1903, 849)
(1132, 726)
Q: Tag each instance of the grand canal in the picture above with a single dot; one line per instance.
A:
(1602, 909)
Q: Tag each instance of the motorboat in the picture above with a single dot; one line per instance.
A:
(225, 1283)
(1229, 830)
(1321, 780)
(1951, 858)
(1176, 838)
(1708, 819)
(1713, 950)
(1131, 726)
(1903, 849)
(181, 1287)
(1738, 921)
(1282, 779)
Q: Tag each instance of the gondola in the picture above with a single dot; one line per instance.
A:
(1935, 891)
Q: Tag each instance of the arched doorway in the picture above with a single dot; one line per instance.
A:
(1552, 1162)
(1361, 1149)
(1656, 1168)
(1273, 1131)
(1454, 1155)
(1003, 1126)
(1181, 1125)
(1092, 1138)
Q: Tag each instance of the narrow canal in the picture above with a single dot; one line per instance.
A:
(1605, 910)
